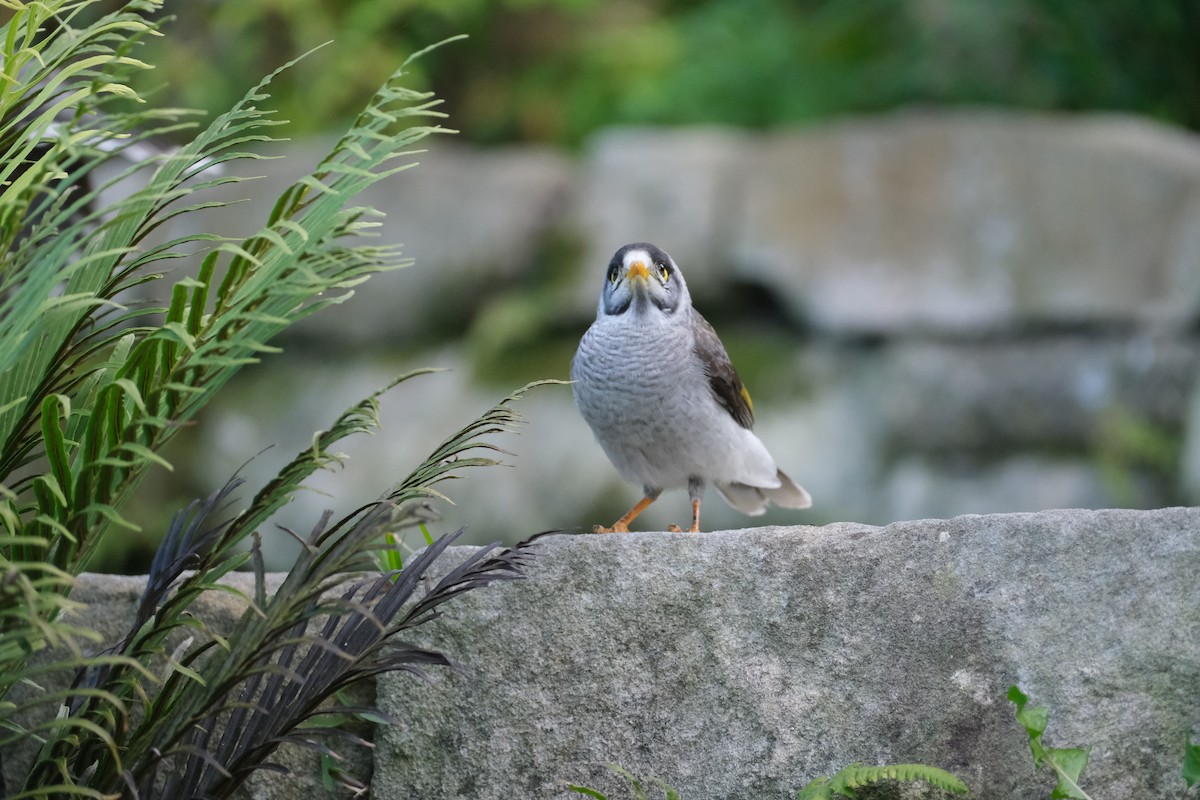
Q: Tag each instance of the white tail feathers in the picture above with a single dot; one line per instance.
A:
(753, 500)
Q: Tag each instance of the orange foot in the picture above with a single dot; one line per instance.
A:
(622, 525)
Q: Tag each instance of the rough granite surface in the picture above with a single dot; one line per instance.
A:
(742, 664)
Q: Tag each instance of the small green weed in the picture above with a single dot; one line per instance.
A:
(1067, 762)
(1191, 762)
(416, 514)
(638, 792)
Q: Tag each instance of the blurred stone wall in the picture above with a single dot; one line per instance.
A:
(937, 313)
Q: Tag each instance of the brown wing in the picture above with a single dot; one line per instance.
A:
(722, 377)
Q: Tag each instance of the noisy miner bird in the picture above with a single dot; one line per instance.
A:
(656, 386)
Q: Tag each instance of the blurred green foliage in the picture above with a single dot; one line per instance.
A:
(555, 70)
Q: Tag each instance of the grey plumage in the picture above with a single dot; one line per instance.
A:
(655, 384)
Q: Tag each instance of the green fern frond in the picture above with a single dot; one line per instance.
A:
(857, 776)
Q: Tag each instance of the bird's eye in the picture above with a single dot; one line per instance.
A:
(663, 272)
(612, 274)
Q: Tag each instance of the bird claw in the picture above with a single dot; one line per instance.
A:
(616, 528)
(673, 528)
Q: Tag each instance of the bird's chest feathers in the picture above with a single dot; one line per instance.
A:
(638, 376)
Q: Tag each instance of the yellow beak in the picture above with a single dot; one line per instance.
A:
(638, 270)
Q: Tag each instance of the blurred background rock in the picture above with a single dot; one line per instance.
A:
(953, 246)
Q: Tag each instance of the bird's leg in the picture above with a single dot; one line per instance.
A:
(622, 525)
(695, 491)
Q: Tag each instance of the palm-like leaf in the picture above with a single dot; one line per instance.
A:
(93, 389)
(87, 403)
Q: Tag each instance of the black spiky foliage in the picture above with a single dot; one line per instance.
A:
(358, 639)
(229, 700)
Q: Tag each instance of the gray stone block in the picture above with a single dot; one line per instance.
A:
(917, 485)
(473, 220)
(974, 221)
(742, 664)
(1189, 466)
(1053, 392)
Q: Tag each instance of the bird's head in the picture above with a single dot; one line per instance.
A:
(642, 279)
